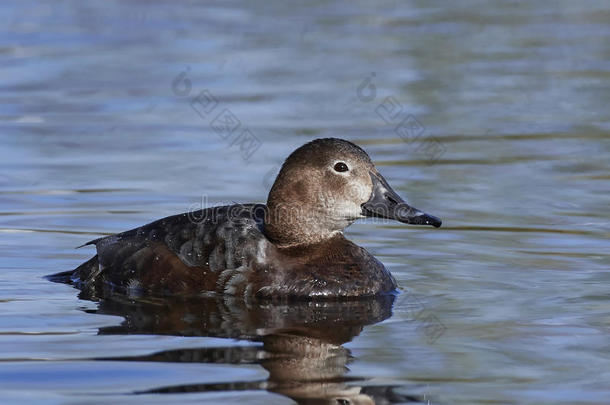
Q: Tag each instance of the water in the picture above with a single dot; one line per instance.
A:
(507, 141)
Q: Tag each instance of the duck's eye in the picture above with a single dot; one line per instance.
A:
(341, 167)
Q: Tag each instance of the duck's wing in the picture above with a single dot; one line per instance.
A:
(184, 253)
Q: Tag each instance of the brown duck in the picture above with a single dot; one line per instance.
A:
(292, 247)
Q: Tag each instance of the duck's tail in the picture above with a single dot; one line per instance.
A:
(77, 275)
(63, 277)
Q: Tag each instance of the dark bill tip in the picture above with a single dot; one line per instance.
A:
(413, 216)
(386, 203)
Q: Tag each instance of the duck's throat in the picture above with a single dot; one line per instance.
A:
(293, 225)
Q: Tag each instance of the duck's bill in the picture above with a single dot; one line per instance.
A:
(385, 203)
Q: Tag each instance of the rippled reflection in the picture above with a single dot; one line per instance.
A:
(301, 342)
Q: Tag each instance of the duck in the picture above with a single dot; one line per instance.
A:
(292, 247)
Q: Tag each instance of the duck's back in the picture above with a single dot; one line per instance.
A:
(181, 254)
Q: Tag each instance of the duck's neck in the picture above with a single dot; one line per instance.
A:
(289, 225)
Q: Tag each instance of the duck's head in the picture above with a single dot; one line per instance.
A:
(324, 186)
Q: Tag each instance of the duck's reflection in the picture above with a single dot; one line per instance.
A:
(301, 342)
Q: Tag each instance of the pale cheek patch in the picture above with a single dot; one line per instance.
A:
(349, 210)
(363, 191)
(350, 206)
